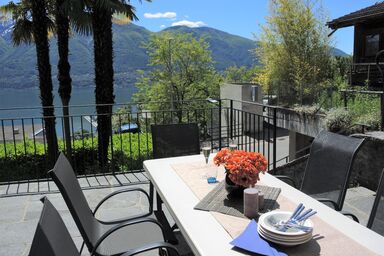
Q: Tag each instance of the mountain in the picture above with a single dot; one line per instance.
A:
(227, 49)
(338, 52)
(18, 64)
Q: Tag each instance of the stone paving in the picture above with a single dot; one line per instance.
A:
(19, 216)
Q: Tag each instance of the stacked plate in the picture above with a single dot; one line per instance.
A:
(288, 237)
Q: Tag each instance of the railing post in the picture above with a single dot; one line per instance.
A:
(231, 119)
(382, 111)
(274, 138)
(345, 99)
(111, 138)
(219, 124)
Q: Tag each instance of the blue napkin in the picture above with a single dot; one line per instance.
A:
(250, 240)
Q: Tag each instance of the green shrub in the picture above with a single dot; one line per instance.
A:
(372, 120)
(23, 161)
(308, 110)
(338, 120)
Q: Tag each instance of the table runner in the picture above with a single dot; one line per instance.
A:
(326, 239)
(217, 200)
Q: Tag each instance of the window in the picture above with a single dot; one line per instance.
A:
(372, 44)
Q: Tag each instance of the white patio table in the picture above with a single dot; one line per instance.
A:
(180, 184)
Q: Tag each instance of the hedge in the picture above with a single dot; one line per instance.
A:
(23, 161)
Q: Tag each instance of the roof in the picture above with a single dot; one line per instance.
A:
(373, 12)
(128, 128)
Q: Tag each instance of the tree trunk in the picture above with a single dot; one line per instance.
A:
(44, 67)
(63, 68)
(103, 54)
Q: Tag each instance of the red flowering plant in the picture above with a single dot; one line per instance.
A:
(243, 168)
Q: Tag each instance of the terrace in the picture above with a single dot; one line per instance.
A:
(24, 162)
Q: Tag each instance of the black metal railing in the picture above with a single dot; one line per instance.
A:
(24, 155)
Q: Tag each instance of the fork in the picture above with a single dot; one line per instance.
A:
(285, 226)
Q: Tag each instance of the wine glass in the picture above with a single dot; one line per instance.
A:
(206, 148)
(232, 144)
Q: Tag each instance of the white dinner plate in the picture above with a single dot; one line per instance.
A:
(286, 243)
(269, 219)
(284, 238)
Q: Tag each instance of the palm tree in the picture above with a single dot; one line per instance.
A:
(102, 11)
(63, 69)
(40, 35)
(32, 24)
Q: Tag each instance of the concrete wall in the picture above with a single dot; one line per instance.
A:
(366, 169)
(369, 161)
(243, 92)
(310, 125)
(298, 145)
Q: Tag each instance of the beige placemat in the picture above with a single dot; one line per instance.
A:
(326, 240)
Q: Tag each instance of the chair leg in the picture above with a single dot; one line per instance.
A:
(169, 235)
(174, 227)
(151, 197)
(165, 252)
(160, 216)
(82, 247)
(159, 202)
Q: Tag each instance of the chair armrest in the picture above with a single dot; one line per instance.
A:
(150, 210)
(351, 215)
(327, 200)
(284, 177)
(149, 247)
(122, 225)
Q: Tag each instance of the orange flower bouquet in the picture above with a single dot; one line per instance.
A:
(242, 168)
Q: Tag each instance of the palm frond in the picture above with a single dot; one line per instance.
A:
(120, 19)
(82, 24)
(79, 12)
(117, 6)
(22, 32)
(51, 26)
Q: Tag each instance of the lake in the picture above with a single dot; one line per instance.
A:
(29, 100)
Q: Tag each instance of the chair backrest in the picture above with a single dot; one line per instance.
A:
(52, 237)
(65, 179)
(329, 166)
(171, 140)
(376, 218)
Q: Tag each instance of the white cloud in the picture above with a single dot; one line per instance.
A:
(187, 23)
(163, 26)
(158, 15)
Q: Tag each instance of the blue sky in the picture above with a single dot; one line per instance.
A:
(241, 17)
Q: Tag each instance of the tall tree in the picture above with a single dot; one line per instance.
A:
(32, 24)
(40, 35)
(63, 68)
(102, 11)
(183, 71)
(103, 54)
(234, 74)
(295, 51)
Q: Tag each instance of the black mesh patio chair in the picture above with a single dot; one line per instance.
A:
(376, 218)
(106, 237)
(329, 167)
(170, 140)
(53, 239)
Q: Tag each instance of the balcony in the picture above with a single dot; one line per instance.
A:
(25, 161)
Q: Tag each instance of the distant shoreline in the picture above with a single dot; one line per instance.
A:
(56, 87)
